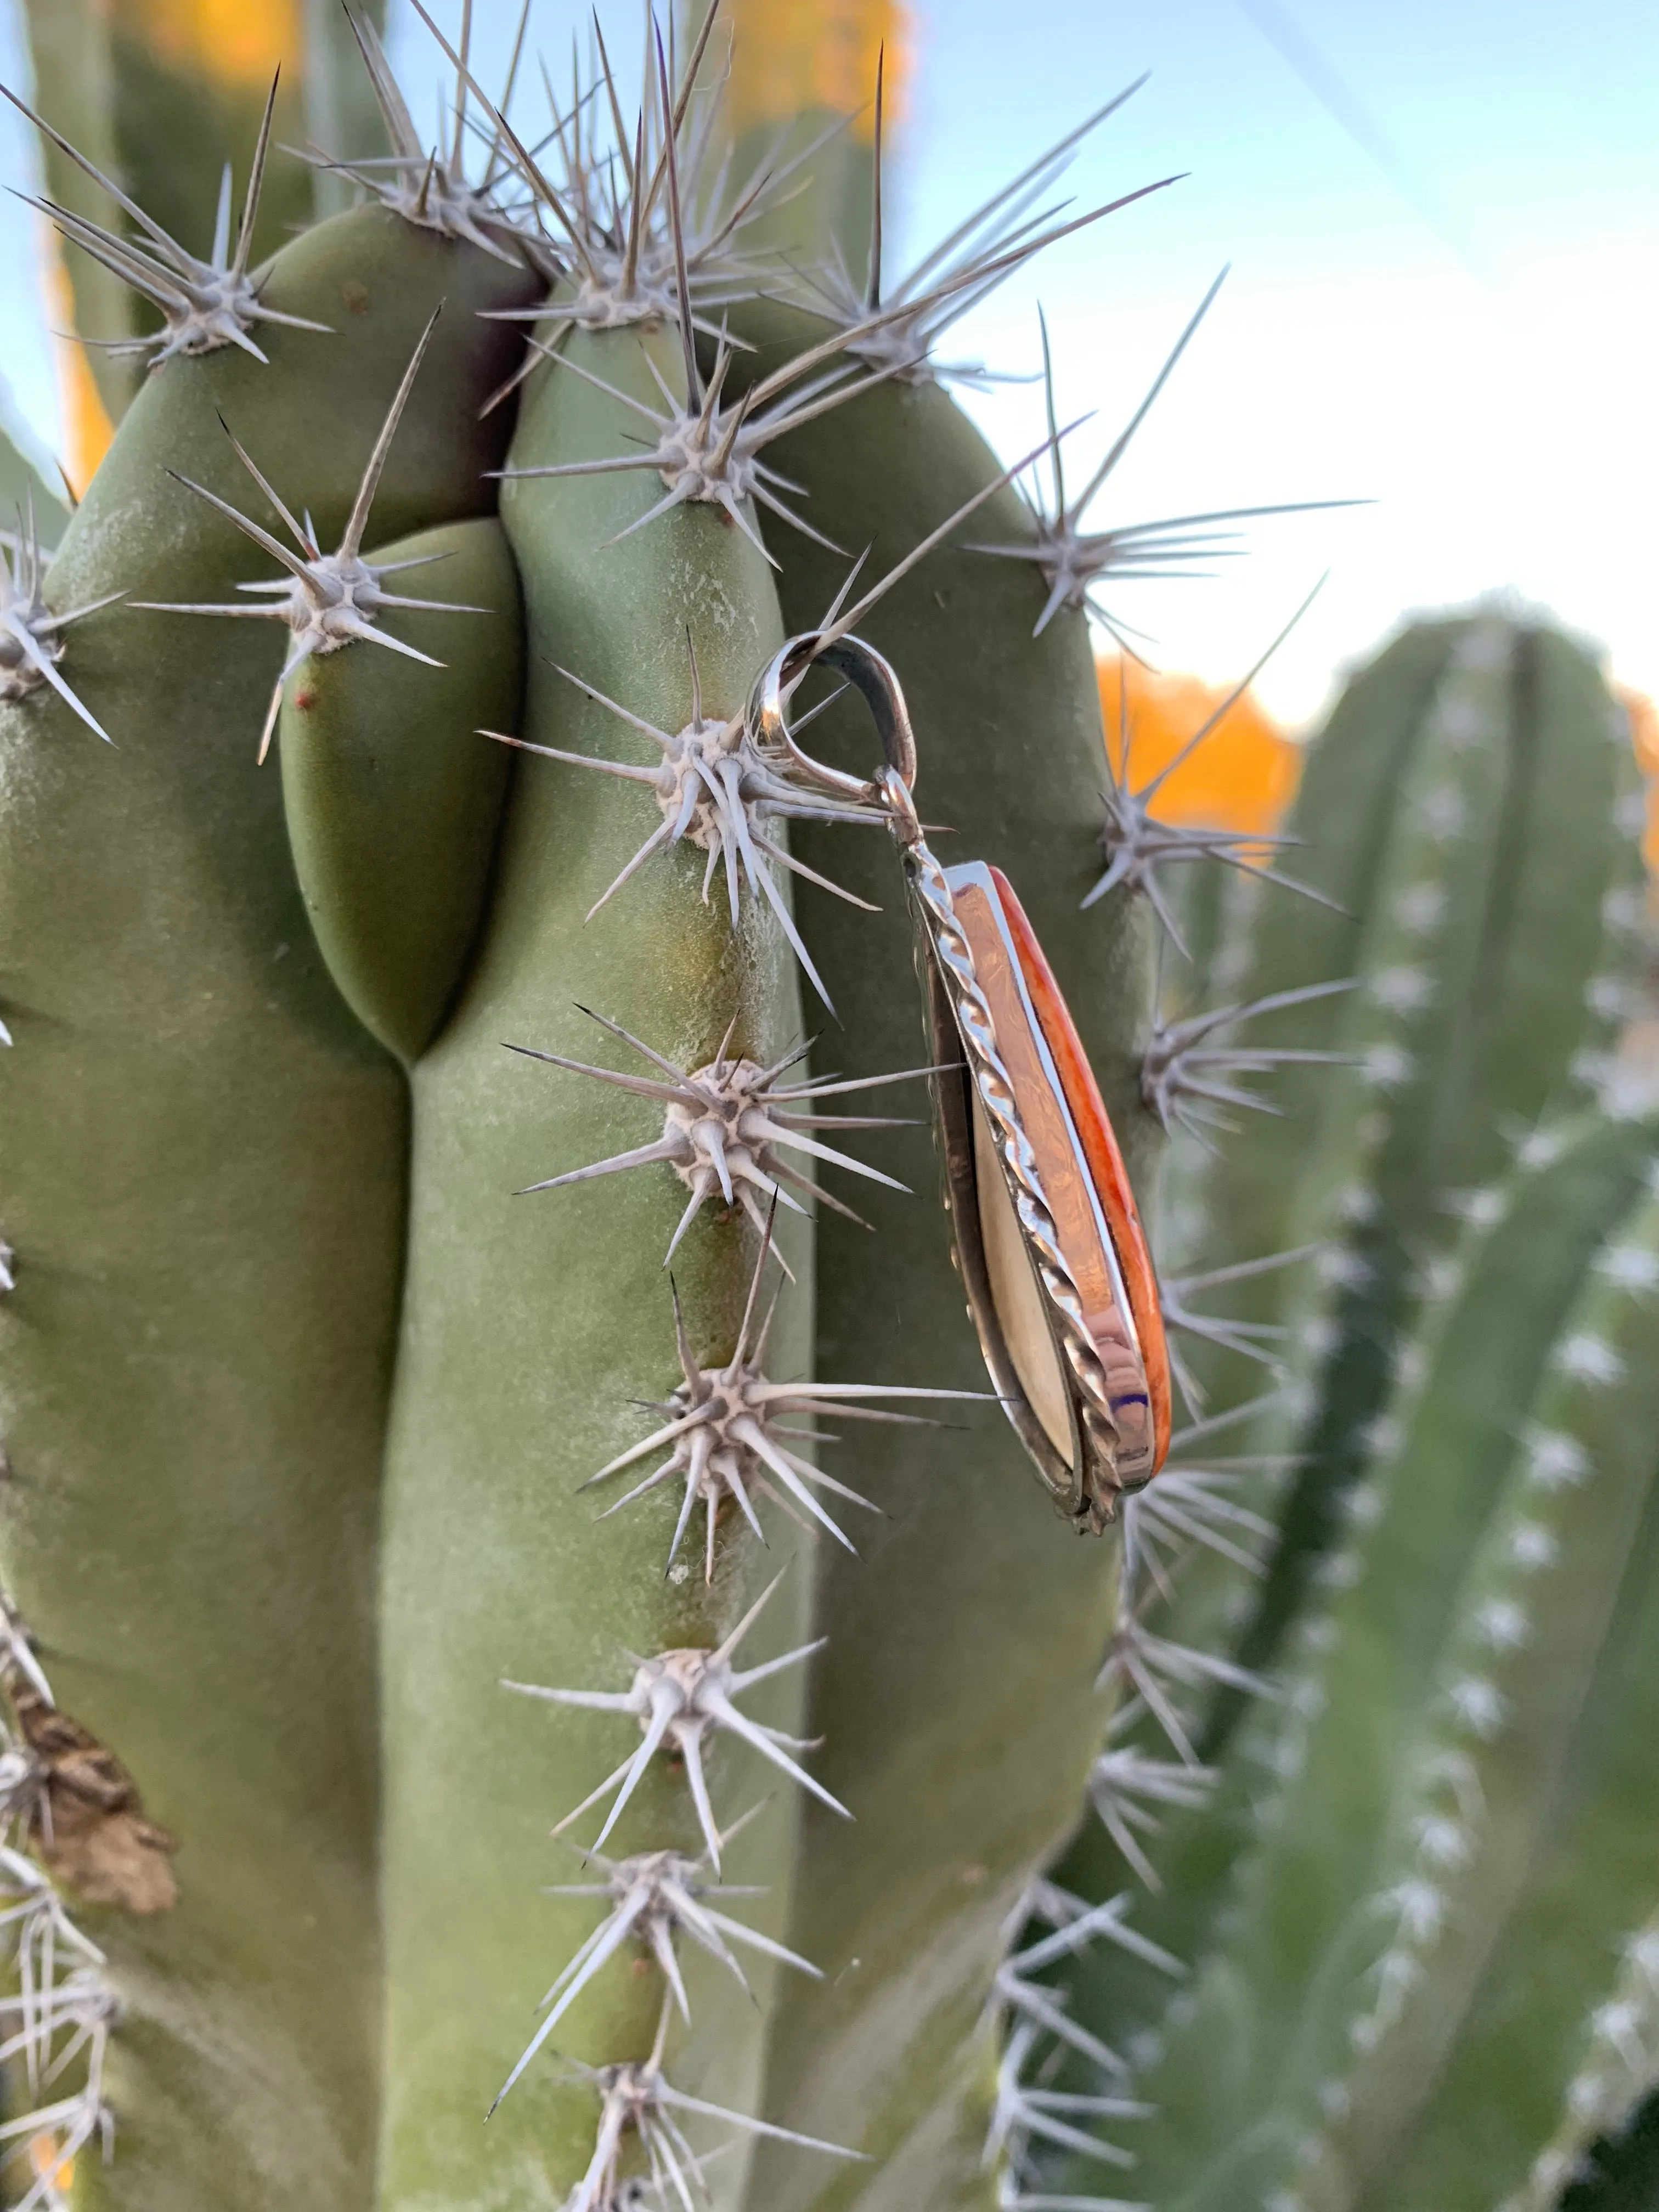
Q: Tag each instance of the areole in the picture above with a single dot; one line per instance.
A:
(1060, 1285)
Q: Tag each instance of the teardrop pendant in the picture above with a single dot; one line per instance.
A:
(1060, 1285)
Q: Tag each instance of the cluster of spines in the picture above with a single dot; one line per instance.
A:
(55, 2024)
(679, 1698)
(202, 304)
(31, 641)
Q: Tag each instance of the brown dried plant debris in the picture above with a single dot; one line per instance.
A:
(86, 1822)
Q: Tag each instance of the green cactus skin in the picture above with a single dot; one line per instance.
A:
(1343, 817)
(393, 802)
(204, 1183)
(21, 485)
(920, 1693)
(1341, 1766)
(533, 1327)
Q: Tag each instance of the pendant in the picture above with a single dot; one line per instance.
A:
(1059, 1284)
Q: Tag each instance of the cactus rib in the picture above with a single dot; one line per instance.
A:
(393, 803)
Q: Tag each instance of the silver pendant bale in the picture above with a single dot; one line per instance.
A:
(1060, 1286)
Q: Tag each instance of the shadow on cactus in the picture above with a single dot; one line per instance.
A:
(371, 1503)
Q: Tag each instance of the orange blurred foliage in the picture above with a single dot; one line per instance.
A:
(1244, 774)
(87, 426)
(789, 56)
(1645, 736)
(235, 42)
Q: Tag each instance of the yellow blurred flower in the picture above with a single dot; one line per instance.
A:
(789, 56)
(1244, 774)
(1644, 735)
(87, 426)
(237, 42)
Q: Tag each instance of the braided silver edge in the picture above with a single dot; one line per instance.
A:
(994, 1089)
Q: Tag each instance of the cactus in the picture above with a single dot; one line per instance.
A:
(1361, 2014)
(409, 894)
(487, 1521)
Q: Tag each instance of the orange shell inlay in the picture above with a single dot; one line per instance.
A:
(1102, 1152)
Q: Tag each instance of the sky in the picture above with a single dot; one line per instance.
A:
(1441, 218)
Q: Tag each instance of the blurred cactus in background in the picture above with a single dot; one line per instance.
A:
(533, 1676)
(1391, 1814)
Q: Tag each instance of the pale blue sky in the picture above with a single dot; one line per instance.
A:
(1451, 306)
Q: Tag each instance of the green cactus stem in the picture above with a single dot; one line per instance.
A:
(196, 1380)
(393, 803)
(1505, 824)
